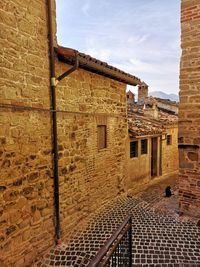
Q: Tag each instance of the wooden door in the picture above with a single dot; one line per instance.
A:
(154, 148)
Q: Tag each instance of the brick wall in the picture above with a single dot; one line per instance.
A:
(88, 177)
(189, 109)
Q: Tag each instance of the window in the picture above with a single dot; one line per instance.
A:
(102, 136)
(144, 145)
(169, 140)
(133, 149)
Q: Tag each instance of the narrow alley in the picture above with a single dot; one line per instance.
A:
(160, 237)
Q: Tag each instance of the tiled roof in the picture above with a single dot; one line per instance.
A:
(140, 124)
(143, 84)
(167, 101)
(91, 64)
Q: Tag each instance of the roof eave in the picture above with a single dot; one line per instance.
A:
(91, 64)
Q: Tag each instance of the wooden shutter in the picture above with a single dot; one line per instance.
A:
(101, 136)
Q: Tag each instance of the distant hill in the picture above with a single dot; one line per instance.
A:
(159, 94)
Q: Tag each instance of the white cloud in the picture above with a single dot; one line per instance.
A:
(85, 8)
(140, 37)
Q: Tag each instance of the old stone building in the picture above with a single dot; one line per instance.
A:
(130, 97)
(152, 146)
(90, 133)
(189, 109)
(163, 104)
(142, 93)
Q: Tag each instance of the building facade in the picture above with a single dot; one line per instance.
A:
(151, 146)
(189, 109)
(91, 134)
(130, 97)
(142, 93)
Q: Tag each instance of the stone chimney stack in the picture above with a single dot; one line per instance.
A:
(142, 93)
(130, 97)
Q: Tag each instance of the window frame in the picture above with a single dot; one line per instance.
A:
(144, 150)
(102, 144)
(169, 139)
(134, 154)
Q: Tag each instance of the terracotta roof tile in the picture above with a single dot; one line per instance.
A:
(139, 124)
(91, 64)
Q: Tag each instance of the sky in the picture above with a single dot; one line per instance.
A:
(140, 37)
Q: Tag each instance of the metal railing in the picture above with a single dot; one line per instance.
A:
(117, 250)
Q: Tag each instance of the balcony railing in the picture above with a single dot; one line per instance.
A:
(117, 250)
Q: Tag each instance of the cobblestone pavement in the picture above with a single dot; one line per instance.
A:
(158, 239)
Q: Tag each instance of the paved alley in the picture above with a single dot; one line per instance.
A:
(159, 240)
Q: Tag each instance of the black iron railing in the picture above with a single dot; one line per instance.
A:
(117, 250)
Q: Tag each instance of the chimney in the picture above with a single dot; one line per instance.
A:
(151, 112)
(130, 97)
(142, 93)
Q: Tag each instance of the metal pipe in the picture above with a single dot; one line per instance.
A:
(53, 82)
(54, 124)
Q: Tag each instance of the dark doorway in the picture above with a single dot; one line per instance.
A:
(154, 146)
(160, 167)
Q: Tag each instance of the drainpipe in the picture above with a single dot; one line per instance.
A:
(54, 125)
(53, 83)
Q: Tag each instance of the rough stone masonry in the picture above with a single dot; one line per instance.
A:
(88, 177)
(189, 108)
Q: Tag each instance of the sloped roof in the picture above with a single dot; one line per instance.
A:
(167, 101)
(68, 55)
(140, 124)
(130, 93)
(144, 84)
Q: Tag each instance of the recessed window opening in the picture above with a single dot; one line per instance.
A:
(134, 149)
(102, 136)
(144, 145)
(169, 140)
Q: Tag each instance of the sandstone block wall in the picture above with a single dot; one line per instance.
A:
(142, 93)
(189, 109)
(26, 193)
(139, 168)
(170, 152)
(89, 176)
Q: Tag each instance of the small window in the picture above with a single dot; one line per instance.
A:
(102, 136)
(144, 146)
(133, 149)
(169, 140)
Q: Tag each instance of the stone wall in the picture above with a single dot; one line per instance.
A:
(142, 93)
(130, 98)
(139, 168)
(88, 176)
(170, 152)
(189, 109)
(26, 193)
